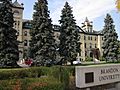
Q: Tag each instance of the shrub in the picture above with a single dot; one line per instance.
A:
(88, 59)
(21, 73)
(44, 78)
(102, 59)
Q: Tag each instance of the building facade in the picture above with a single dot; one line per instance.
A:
(91, 40)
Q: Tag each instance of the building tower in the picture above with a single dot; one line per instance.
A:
(87, 26)
(18, 17)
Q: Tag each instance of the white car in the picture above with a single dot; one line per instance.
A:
(76, 62)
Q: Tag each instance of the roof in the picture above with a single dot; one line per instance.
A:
(94, 33)
(86, 19)
(27, 24)
(16, 4)
(80, 29)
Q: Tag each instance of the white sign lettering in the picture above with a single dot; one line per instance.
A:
(102, 74)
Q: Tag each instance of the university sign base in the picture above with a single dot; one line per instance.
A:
(98, 77)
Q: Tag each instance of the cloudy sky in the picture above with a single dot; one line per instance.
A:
(95, 10)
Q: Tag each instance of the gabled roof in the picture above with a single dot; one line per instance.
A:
(80, 29)
(16, 4)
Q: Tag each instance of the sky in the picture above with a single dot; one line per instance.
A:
(95, 10)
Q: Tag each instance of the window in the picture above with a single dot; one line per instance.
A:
(84, 37)
(16, 12)
(25, 42)
(88, 37)
(17, 33)
(95, 38)
(25, 33)
(90, 45)
(85, 53)
(91, 37)
(57, 35)
(95, 45)
(91, 54)
(85, 45)
(102, 38)
(15, 23)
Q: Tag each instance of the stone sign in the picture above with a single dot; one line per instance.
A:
(88, 76)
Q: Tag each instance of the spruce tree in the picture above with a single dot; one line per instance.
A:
(110, 44)
(9, 54)
(69, 35)
(119, 51)
(43, 47)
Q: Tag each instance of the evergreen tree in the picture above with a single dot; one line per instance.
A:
(110, 44)
(69, 35)
(119, 50)
(9, 53)
(43, 43)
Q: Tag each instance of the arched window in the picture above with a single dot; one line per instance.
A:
(91, 54)
(16, 12)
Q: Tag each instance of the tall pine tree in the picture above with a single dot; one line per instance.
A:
(110, 44)
(9, 54)
(43, 47)
(69, 35)
(119, 50)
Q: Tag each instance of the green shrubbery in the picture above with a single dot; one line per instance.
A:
(102, 59)
(43, 78)
(19, 73)
(36, 72)
(48, 83)
(88, 59)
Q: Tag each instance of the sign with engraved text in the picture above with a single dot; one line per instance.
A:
(88, 76)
